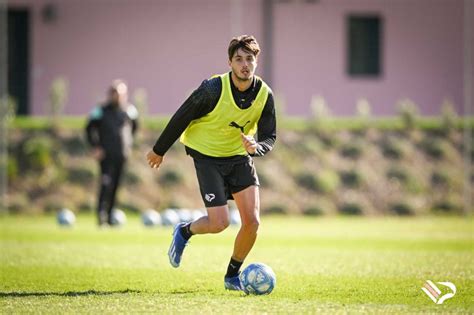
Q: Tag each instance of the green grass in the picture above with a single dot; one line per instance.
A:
(323, 265)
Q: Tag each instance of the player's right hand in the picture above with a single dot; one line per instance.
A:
(98, 153)
(154, 160)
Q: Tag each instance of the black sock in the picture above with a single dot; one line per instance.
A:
(233, 268)
(186, 231)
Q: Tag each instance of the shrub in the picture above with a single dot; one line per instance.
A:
(310, 146)
(320, 112)
(351, 208)
(12, 168)
(85, 207)
(446, 207)
(440, 178)
(38, 152)
(351, 179)
(433, 147)
(398, 174)
(130, 178)
(276, 209)
(408, 112)
(327, 181)
(75, 146)
(313, 210)
(352, 150)
(363, 108)
(402, 208)
(320, 207)
(307, 180)
(79, 175)
(408, 182)
(448, 116)
(327, 139)
(392, 149)
(264, 181)
(170, 177)
(52, 206)
(58, 95)
(18, 203)
(128, 206)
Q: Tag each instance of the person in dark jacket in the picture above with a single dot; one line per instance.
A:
(110, 130)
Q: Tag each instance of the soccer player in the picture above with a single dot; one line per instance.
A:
(110, 131)
(217, 125)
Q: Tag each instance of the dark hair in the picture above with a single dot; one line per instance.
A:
(246, 42)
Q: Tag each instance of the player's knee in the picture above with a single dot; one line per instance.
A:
(251, 225)
(219, 225)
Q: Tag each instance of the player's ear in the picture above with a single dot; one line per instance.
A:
(230, 62)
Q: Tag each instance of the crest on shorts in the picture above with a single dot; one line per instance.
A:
(209, 197)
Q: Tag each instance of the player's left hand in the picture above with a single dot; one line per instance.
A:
(153, 159)
(249, 143)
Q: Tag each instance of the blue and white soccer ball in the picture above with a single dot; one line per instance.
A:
(151, 217)
(118, 217)
(66, 217)
(258, 279)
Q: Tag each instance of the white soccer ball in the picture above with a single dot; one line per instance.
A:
(66, 217)
(235, 217)
(118, 217)
(258, 279)
(197, 213)
(185, 215)
(169, 217)
(151, 217)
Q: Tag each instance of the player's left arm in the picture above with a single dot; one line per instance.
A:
(266, 128)
(132, 114)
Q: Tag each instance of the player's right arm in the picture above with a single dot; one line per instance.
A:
(93, 134)
(201, 102)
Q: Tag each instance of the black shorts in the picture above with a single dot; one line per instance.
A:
(218, 180)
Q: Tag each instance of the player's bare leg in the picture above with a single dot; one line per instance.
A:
(216, 221)
(248, 203)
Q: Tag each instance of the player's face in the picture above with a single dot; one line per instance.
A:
(243, 64)
(119, 95)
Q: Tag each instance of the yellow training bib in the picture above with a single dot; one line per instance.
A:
(218, 133)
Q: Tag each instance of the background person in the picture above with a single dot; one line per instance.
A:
(110, 130)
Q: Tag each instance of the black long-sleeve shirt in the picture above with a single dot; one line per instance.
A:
(112, 128)
(203, 101)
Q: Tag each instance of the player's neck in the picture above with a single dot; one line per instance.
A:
(241, 85)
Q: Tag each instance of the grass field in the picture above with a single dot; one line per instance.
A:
(323, 265)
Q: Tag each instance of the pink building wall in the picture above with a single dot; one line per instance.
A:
(422, 54)
(169, 46)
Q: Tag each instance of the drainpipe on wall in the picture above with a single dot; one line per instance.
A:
(3, 106)
(236, 18)
(267, 49)
(468, 86)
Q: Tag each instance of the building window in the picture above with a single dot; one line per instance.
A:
(364, 44)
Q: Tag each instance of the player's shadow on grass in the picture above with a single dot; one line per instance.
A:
(69, 293)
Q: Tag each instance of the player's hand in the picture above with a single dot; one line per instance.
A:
(154, 160)
(98, 153)
(249, 143)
